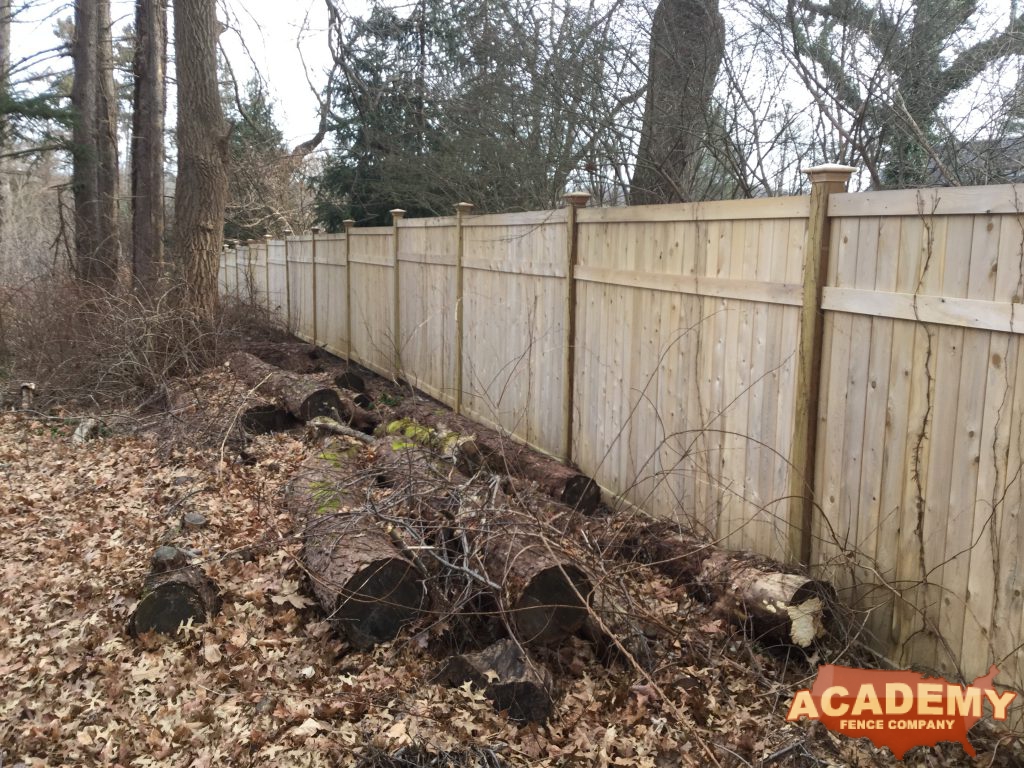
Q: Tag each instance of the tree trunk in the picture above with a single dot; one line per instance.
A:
(202, 182)
(107, 168)
(773, 603)
(85, 162)
(482, 448)
(305, 397)
(507, 677)
(174, 593)
(687, 44)
(147, 148)
(368, 590)
(5, 86)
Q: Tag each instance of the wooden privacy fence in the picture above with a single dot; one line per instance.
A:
(833, 378)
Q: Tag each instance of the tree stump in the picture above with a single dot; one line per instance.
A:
(507, 677)
(173, 594)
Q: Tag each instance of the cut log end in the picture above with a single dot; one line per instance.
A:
(378, 601)
(351, 381)
(264, 419)
(581, 493)
(549, 608)
(167, 607)
(321, 402)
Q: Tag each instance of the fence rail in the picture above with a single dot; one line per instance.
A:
(834, 378)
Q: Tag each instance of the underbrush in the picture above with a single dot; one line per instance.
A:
(87, 345)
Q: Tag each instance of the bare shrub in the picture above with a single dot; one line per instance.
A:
(88, 345)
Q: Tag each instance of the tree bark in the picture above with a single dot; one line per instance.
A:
(5, 86)
(147, 149)
(107, 168)
(773, 603)
(482, 448)
(507, 677)
(687, 44)
(305, 359)
(174, 593)
(202, 182)
(305, 397)
(544, 594)
(85, 162)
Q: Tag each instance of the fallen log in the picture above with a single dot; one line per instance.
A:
(544, 593)
(305, 397)
(508, 679)
(543, 590)
(173, 594)
(264, 418)
(774, 603)
(481, 448)
(296, 358)
(368, 590)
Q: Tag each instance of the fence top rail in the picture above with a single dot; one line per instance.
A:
(524, 218)
(430, 221)
(940, 201)
(371, 231)
(756, 208)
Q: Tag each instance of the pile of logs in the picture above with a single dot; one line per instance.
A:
(427, 517)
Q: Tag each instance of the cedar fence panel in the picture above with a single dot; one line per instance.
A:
(667, 350)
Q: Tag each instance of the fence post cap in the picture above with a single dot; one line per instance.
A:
(829, 172)
(287, 232)
(349, 223)
(315, 230)
(397, 213)
(577, 199)
(463, 208)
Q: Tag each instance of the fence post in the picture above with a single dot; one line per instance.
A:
(349, 224)
(461, 211)
(396, 217)
(825, 180)
(238, 282)
(266, 271)
(314, 231)
(287, 285)
(574, 201)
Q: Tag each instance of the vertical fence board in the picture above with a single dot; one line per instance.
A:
(427, 252)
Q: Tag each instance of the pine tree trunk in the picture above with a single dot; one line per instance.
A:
(5, 84)
(202, 182)
(148, 140)
(85, 179)
(108, 252)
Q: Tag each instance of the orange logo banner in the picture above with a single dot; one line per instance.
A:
(899, 710)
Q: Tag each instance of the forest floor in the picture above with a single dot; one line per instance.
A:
(266, 682)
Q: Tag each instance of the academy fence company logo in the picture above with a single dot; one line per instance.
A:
(898, 710)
